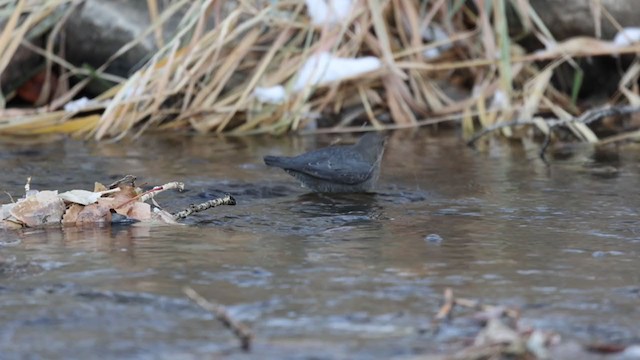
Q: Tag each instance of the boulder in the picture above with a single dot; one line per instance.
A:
(568, 18)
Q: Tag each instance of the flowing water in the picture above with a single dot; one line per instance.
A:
(321, 276)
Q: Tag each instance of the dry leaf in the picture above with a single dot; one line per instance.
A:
(97, 187)
(82, 197)
(43, 208)
(496, 332)
(71, 215)
(94, 213)
(139, 211)
(5, 210)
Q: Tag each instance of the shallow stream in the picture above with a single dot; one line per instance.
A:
(322, 276)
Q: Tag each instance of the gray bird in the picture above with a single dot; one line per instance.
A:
(347, 168)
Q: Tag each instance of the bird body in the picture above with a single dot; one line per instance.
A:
(347, 168)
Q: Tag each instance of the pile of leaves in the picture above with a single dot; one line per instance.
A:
(120, 202)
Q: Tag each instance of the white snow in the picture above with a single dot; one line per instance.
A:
(78, 105)
(627, 36)
(319, 69)
(499, 100)
(271, 95)
(328, 11)
(324, 68)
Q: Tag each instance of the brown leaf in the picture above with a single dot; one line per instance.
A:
(94, 213)
(98, 187)
(71, 215)
(32, 89)
(10, 225)
(139, 211)
(42, 208)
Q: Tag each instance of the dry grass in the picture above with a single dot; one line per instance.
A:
(203, 78)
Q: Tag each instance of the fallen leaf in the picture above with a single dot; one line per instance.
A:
(71, 215)
(139, 211)
(45, 207)
(82, 197)
(10, 225)
(32, 89)
(5, 210)
(97, 187)
(496, 332)
(94, 213)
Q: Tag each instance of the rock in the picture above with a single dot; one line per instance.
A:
(567, 18)
(571, 18)
(23, 65)
(100, 28)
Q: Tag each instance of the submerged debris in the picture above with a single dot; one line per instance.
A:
(241, 331)
(502, 336)
(122, 202)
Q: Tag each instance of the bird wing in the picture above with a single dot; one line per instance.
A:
(350, 172)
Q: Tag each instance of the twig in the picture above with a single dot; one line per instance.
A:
(586, 118)
(395, 126)
(495, 127)
(27, 186)
(450, 302)
(596, 114)
(150, 194)
(447, 307)
(127, 179)
(543, 148)
(477, 305)
(226, 200)
(158, 189)
(241, 331)
(445, 310)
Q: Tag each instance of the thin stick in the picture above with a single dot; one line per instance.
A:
(477, 305)
(27, 186)
(150, 194)
(586, 118)
(495, 127)
(158, 189)
(226, 200)
(241, 331)
(445, 310)
(447, 307)
(128, 179)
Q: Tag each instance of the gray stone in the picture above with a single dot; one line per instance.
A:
(100, 28)
(568, 18)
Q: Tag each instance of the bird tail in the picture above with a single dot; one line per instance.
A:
(276, 161)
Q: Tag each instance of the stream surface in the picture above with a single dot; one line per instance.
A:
(355, 276)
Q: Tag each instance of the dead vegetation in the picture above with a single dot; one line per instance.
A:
(120, 202)
(266, 67)
(502, 335)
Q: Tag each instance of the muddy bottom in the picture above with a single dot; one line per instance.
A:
(321, 276)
